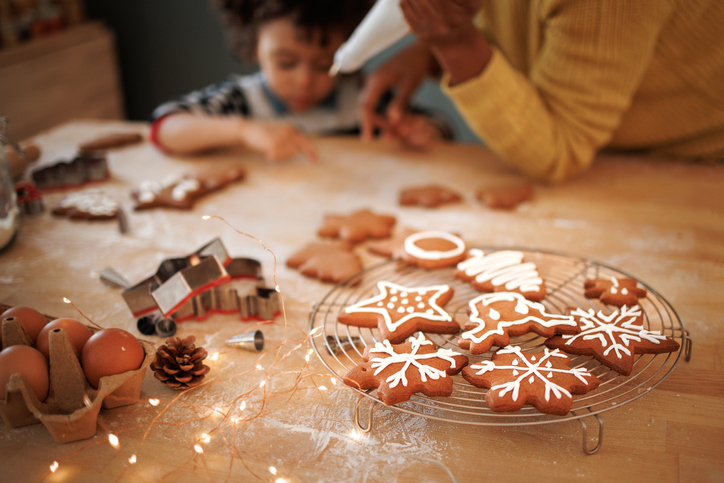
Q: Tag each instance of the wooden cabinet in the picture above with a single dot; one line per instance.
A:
(71, 75)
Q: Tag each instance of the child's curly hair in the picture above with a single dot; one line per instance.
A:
(243, 18)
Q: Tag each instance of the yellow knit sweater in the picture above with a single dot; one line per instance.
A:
(569, 77)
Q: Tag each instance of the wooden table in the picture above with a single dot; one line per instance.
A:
(660, 221)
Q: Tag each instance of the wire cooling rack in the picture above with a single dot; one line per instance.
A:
(340, 346)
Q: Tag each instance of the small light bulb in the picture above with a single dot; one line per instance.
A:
(263, 383)
(54, 466)
(322, 388)
(113, 439)
(205, 438)
(198, 449)
(132, 459)
(214, 356)
(153, 401)
(272, 470)
(66, 300)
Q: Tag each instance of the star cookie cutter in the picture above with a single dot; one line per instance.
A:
(84, 168)
(190, 287)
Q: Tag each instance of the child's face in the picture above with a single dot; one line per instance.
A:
(296, 71)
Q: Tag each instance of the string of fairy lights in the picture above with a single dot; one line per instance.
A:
(238, 410)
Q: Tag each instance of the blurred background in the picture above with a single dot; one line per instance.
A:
(113, 59)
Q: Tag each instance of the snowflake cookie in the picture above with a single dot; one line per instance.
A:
(401, 311)
(544, 380)
(502, 271)
(495, 317)
(327, 261)
(430, 196)
(399, 371)
(613, 339)
(357, 227)
(614, 291)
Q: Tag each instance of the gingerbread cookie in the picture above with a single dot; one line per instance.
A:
(357, 227)
(495, 317)
(433, 249)
(399, 371)
(430, 196)
(90, 204)
(393, 247)
(614, 291)
(327, 261)
(401, 311)
(181, 192)
(502, 271)
(111, 141)
(613, 339)
(544, 380)
(505, 197)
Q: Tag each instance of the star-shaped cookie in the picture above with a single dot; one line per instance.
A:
(400, 311)
(327, 261)
(495, 317)
(357, 227)
(614, 291)
(430, 196)
(399, 371)
(544, 380)
(613, 339)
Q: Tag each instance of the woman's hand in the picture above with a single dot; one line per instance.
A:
(446, 27)
(278, 141)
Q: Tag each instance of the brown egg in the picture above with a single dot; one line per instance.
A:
(109, 352)
(78, 333)
(30, 363)
(32, 320)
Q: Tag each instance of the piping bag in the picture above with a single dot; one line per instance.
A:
(382, 27)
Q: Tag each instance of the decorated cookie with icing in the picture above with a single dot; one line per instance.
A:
(90, 204)
(430, 196)
(544, 380)
(181, 192)
(434, 249)
(399, 371)
(327, 261)
(613, 339)
(357, 227)
(503, 271)
(614, 291)
(400, 311)
(495, 317)
(505, 197)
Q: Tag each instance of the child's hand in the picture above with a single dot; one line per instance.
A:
(276, 140)
(415, 131)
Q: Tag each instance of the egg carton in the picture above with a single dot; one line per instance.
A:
(70, 412)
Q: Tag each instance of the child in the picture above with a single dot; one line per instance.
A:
(270, 112)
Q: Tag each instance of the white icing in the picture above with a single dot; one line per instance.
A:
(533, 372)
(428, 309)
(543, 318)
(410, 359)
(94, 202)
(184, 187)
(414, 250)
(503, 268)
(616, 329)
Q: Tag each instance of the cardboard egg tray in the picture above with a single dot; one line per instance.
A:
(70, 412)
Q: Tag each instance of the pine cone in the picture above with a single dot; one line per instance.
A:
(179, 363)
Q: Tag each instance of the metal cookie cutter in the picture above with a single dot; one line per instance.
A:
(189, 288)
(30, 199)
(84, 168)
